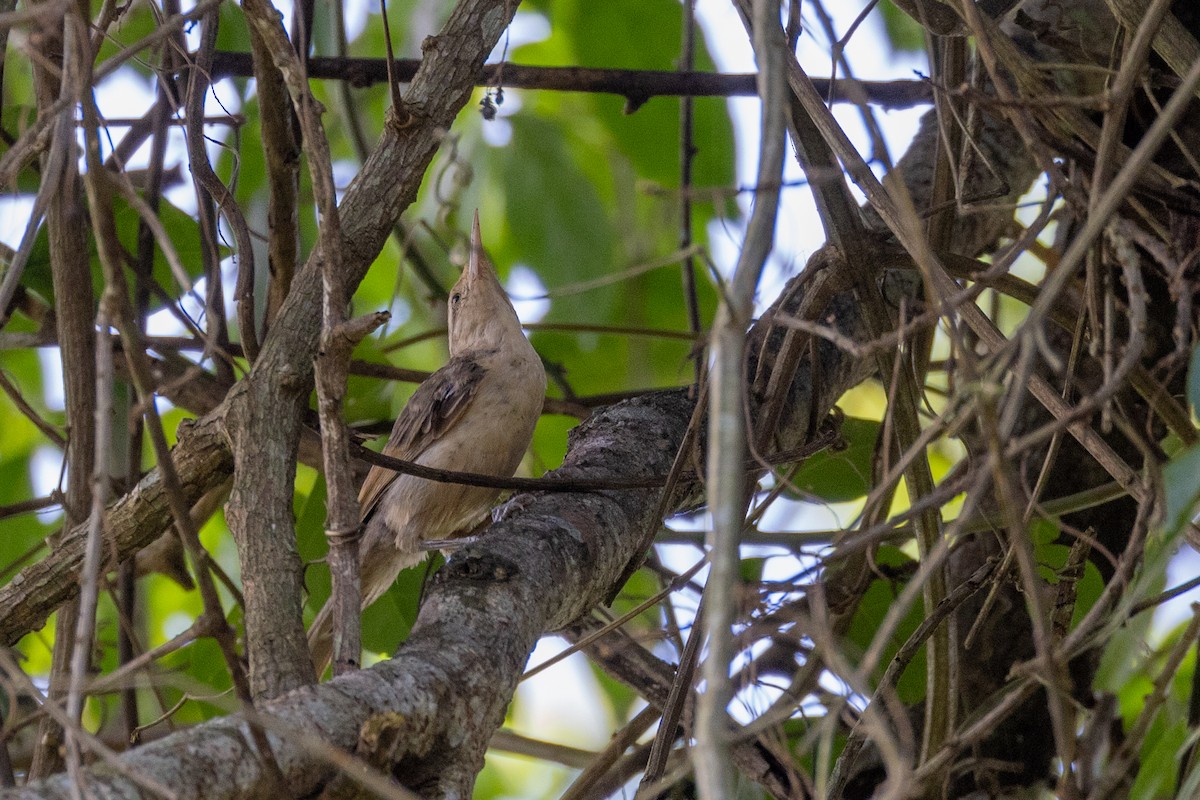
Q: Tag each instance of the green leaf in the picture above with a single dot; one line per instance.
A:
(137, 22)
(606, 35)
(1193, 381)
(310, 524)
(1181, 480)
(24, 532)
(1049, 553)
(386, 622)
(1042, 532)
(751, 569)
(1121, 670)
(1087, 592)
(182, 230)
(904, 33)
(1159, 766)
(845, 474)
(875, 605)
(556, 217)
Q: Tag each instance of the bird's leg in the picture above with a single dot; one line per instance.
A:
(458, 541)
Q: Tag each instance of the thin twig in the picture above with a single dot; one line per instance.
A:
(727, 429)
(635, 85)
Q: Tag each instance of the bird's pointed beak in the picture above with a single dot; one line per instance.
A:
(476, 264)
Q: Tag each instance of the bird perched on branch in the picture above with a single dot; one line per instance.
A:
(475, 414)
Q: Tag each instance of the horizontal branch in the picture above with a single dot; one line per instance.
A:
(636, 86)
(133, 522)
(827, 436)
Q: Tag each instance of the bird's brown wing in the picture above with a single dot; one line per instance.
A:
(437, 405)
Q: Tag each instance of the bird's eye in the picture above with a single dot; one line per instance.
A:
(454, 298)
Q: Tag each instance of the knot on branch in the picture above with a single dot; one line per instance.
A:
(343, 537)
(340, 340)
(633, 102)
(380, 737)
(480, 566)
(400, 117)
(355, 330)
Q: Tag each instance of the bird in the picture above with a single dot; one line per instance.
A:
(475, 414)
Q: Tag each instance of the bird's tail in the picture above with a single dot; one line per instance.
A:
(320, 639)
(378, 573)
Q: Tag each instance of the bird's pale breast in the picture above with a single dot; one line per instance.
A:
(490, 438)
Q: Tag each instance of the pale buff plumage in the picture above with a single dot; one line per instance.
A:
(476, 414)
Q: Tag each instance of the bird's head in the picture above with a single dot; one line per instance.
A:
(480, 313)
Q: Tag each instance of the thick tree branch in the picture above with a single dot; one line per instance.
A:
(554, 558)
(203, 461)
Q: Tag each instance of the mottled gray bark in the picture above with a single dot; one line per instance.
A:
(548, 562)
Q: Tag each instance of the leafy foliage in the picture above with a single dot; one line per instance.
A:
(581, 202)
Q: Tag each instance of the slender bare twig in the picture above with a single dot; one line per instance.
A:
(727, 429)
(636, 85)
